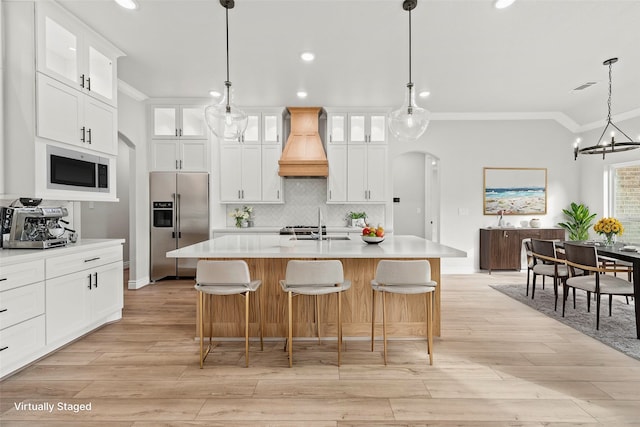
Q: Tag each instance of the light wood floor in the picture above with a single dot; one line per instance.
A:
(497, 363)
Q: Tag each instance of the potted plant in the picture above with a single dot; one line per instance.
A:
(356, 219)
(579, 220)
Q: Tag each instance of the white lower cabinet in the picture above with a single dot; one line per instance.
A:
(19, 344)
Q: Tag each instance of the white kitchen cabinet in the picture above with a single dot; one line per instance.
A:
(272, 190)
(21, 344)
(183, 155)
(66, 115)
(337, 179)
(70, 52)
(368, 128)
(240, 173)
(178, 122)
(337, 128)
(366, 172)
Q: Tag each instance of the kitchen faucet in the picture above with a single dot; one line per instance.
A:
(319, 235)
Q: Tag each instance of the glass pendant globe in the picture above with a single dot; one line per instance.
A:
(226, 121)
(408, 122)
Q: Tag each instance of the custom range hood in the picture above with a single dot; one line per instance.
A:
(303, 153)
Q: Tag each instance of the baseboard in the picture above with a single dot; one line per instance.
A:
(138, 283)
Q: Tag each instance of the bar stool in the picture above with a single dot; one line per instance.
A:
(314, 278)
(224, 278)
(403, 277)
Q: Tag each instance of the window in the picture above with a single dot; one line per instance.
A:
(624, 203)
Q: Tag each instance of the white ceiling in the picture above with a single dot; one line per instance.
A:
(472, 57)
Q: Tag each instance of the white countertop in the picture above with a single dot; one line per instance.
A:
(270, 246)
(11, 256)
(276, 230)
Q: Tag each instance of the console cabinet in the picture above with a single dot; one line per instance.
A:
(500, 248)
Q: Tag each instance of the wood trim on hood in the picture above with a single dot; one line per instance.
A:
(303, 153)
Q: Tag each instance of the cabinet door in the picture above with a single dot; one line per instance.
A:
(165, 122)
(230, 172)
(67, 309)
(377, 128)
(100, 121)
(271, 181)
(164, 155)
(59, 45)
(192, 121)
(337, 180)
(357, 128)
(193, 156)
(337, 128)
(100, 81)
(59, 112)
(251, 173)
(376, 172)
(357, 173)
(20, 343)
(251, 134)
(106, 294)
(271, 128)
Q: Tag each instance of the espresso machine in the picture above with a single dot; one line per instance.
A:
(34, 227)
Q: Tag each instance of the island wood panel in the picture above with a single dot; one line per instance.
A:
(406, 315)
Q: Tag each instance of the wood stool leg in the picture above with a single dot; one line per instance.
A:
(339, 328)
(246, 328)
(261, 320)
(201, 324)
(430, 326)
(373, 315)
(290, 341)
(317, 317)
(384, 326)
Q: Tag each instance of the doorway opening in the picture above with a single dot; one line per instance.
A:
(416, 195)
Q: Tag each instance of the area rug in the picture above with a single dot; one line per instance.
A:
(617, 331)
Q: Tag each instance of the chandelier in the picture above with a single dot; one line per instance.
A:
(224, 119)
(409, 121)
(605, 146)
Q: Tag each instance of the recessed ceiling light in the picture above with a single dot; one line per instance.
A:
(307, 56)
(302, 94)
(501, 4)
(215, 93)
(424, 94)
(128, 4)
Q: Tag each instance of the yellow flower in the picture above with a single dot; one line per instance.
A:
(606, 228)
(615, 228)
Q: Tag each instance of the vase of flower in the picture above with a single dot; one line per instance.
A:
(241, 216)
(609, 229)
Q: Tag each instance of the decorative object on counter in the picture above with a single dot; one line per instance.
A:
(500, 219)
(609, 228)
(241, 216)
(373, 234)
(410, 121)
(515, 191)
(579, 220)
(224, 119)
(603, 147)
(535, 223)
(356, 219)
(249, 211)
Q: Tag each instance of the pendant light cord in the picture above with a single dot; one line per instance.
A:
(609, 100)
(227, 83)
(410, 47)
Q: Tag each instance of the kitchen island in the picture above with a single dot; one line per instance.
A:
(267, 256)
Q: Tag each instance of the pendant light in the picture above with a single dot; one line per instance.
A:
(409, 121)
(607, 146)
(224, 119)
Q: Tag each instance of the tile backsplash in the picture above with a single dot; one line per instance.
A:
(303, 197)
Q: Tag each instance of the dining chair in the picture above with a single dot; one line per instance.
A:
(528, 249)
(589, 275)
(314, 278)
(225, 278)
(408, 277)
(547, 263)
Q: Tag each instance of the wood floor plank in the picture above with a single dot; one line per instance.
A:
(159, 389)
(362, 388)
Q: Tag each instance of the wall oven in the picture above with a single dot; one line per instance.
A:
(76, 171)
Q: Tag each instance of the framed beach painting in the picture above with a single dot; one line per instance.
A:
(515, 191)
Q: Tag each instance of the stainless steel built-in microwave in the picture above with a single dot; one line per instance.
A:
(76, 171)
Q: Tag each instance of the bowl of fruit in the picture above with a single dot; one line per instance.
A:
(373, 234)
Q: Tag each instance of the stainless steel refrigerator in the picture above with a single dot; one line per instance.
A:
(179, 218)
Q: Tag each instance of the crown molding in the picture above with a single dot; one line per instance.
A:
(559, 117)
(130, 91)
(617, 118)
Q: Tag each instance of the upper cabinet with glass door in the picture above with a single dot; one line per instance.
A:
(178, 121)
(70, 52)
(368, 128)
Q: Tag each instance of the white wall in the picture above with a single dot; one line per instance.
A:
(465, 147)
(592, 168)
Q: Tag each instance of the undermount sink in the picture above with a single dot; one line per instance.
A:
(305, 237)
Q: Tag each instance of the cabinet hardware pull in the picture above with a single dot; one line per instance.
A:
(96, 276)
(89, 277)
(176, 132)
(4, 348)
(83, 130)
(89, 135)
(3, 279)
(88, 83)
(238, 194)
(278, 137)
(180, 132)
(82, 81)
(180, 164)
(176, 164)
(330, 138)
(242, 194)
(3, 310)
(92, 259)
(330, 195)
(278, 194)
